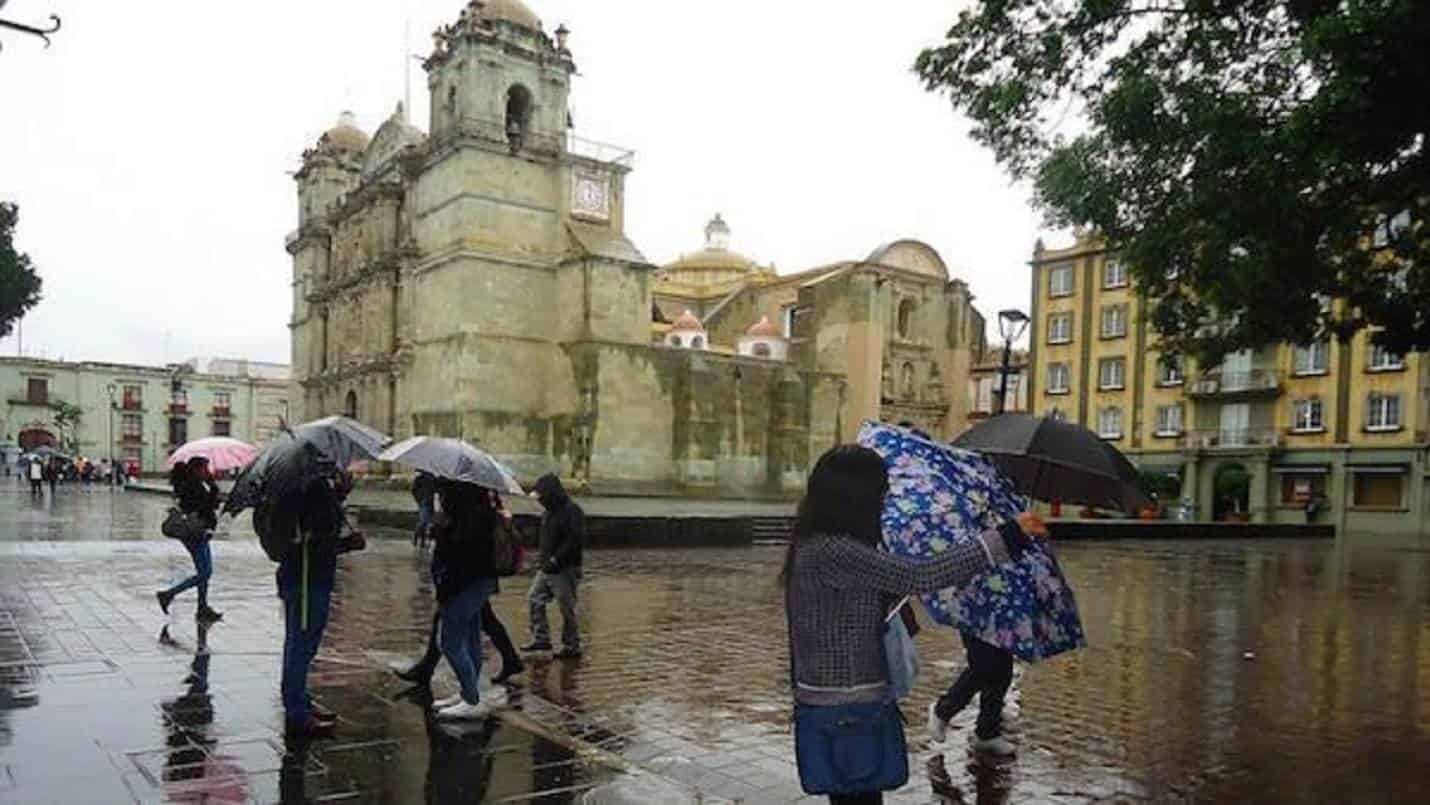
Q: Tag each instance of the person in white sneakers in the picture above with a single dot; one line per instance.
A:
(465, 575)
(988, 675)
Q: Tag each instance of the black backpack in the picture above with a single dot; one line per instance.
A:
(277, 528)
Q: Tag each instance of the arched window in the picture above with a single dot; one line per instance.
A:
(908, 379)
(451, 106)
(697, 343)
(906, 318)
(518, 115)
(675, 341)
(761, 350)
(350, 406)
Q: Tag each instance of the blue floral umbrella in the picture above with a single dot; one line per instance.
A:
(941, 496)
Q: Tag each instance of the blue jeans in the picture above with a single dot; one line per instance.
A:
(203, 568)
(424, 516)
(300, 645)
(462, 635)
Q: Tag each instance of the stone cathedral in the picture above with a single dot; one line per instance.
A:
(475, 280)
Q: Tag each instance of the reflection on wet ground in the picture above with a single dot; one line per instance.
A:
(1222, 671)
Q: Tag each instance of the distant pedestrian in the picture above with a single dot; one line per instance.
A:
(424, 491)
(563, 536)
(197, 495)
(36, 471)
(52, 474)
(839, 589)
(465, 577)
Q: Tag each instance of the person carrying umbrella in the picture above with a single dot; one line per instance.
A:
(465, 576)
(35, 470)
(197, 495)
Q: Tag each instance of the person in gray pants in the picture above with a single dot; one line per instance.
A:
(563, 535)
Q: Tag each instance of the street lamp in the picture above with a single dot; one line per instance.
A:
(1011, 324)
(113, 468)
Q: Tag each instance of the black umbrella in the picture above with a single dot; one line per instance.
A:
(1052, 460)
(298, 456)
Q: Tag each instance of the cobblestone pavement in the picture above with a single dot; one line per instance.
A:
(1286, 672)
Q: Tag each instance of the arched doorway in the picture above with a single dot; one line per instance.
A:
(1231, 491)
(34, 437)
(350, 409)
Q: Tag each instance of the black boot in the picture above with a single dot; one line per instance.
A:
(419, 674)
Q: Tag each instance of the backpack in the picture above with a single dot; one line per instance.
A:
(277, 529)
(507, 553)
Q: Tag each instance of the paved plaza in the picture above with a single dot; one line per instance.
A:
(1219, 671)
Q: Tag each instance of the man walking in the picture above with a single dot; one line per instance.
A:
(36, 472)
(563, 535)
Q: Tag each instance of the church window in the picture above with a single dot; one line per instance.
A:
(518, 115)
(675, 341)
(350, 408)
(906, 318)
(908, 378)
(761, 350)
(697, 343)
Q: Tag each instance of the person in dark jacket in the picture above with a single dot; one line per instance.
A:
(424, 491)
(305, 579)
(563, 535)
(465, 576)
(197, 496)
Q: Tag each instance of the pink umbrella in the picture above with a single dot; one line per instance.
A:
(223, 453)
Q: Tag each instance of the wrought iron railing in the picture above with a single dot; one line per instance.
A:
(1211, 438)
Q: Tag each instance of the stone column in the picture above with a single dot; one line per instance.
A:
(1259, 493)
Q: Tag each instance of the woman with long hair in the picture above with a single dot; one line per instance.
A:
(197, 496)
(465, 575)
(840, 589)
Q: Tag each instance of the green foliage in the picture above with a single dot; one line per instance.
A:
(1232, 482)
(1249, 158)
(1165, 487)
(67, 417)
(19, 284)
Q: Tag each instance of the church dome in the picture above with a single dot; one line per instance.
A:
(345, 135)
(764, 328)
(512, 11)
(394, 135)
(687, 321)
(715, 263)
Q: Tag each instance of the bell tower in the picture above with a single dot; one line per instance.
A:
(496, 76)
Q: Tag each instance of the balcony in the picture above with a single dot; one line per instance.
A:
(1250, 383)
(37, 400)
(221, 412)
(178, 409)
(1232, 438)
(131, 438)
(130, 404)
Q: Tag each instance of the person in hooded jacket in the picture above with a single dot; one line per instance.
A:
(563, 536)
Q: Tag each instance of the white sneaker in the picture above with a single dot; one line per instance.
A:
(497, 696)
(463, 711)
(938, 728)
(447, 702)
(997, 745)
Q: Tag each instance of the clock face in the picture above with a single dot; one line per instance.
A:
(589, 196)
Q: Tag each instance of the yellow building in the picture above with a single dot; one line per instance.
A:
(1343, 424)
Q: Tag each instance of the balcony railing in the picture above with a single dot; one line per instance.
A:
(1252, 381)
(178, 409)
(221, 412)
(1231, 438)
(131, 405)
(131, 438)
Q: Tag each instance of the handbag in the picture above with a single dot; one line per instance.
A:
(900, 654)
(850, 748)
(181, 526)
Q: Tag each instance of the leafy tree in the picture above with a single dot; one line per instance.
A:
(19, 284)
(1249, 158)
(67, 417)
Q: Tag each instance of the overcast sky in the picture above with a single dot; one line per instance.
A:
(150, 148)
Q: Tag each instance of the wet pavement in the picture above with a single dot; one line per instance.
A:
(1219, 671)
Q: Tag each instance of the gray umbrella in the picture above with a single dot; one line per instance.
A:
(296, 457)
(455, 460)
(1053, 460)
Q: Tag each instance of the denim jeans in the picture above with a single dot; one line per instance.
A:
(562, 587)
(462, 635)
(988, 675)
(424, 517)
(300, 645)
(203, 569)
(491, 625)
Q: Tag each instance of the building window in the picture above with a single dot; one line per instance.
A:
(350, 407)
(1060, 328)
(761, 350)
(1312, 359)
(1379, 490)
(222, 428)
(906, 318)
(1307, 416)
(1060, 280)
(1114, 321)
(1058, 378)
(1169, 420)
(133, 398)
(697, 343)
(131, 426)
(1297, 490)
(1383, 360)
(1112, 373)
(1169, 372)
(222, 400)
(1114, 273)
(37, 391)
(787, 318)
(1109, 422)
(675, 341)
(1382, 412)
(178, 432)
(132, 457)
(518, 115)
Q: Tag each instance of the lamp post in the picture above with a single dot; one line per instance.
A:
(1011, 324)
(113, 467)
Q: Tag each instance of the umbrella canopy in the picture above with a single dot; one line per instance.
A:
(221, 452)
(455, 460)
(940, 497)
(1052, 460)
(46, 452)
(296, 457)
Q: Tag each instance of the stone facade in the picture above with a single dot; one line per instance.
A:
(138, 414)
(477, 282)
(1343, 422)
